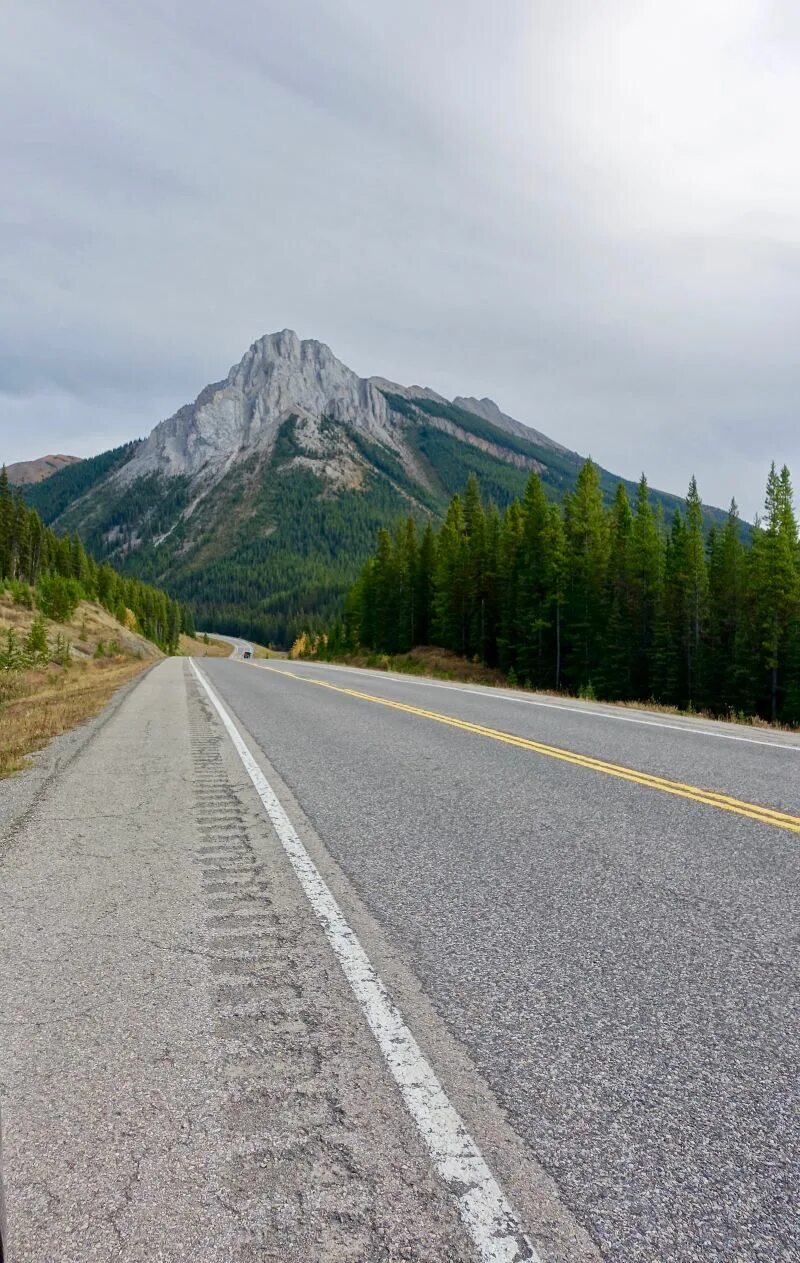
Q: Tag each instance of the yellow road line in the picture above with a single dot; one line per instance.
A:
(708, 797)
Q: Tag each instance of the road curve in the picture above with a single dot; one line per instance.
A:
(614, 955)
(240, 647)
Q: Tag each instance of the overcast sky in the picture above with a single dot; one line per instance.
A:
(588, 211)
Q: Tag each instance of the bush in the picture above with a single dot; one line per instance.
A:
(36, 645)
(22, 593)
(13, 656)
(58, 598)
(62, 654)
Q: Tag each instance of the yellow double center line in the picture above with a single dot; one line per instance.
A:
(708, 797)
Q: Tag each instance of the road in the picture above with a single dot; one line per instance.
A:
(585, 915)
(240, 647)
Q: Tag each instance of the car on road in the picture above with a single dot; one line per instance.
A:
(248, 653)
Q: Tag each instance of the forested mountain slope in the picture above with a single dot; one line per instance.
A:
(258, 503)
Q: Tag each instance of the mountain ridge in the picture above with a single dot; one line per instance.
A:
(257, 502)
(25, 473)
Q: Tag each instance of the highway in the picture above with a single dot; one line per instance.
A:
(584, 915)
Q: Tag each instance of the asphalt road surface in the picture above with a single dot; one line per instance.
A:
(585, 915)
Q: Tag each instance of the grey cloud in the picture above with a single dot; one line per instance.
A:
(445, 194)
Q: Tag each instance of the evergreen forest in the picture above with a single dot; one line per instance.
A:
(56, 572)
(600, 600)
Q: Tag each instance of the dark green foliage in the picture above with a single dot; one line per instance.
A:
(57, 572)
(598, 600)
(58, 597)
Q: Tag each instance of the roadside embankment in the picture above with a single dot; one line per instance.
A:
(55, 675)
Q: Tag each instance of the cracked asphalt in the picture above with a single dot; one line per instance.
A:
(603, 978)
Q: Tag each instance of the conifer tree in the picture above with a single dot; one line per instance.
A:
(426, 567)
(696, 597)
(616, 674)
(647, 558)
(587, 548)
(776, 581)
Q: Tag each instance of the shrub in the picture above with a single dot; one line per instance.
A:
(62, 653)
(36, 645)
(13, 656)
(22, 593)
(58, 597)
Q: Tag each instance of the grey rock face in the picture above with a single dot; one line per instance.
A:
(281, 376)
(488, 409)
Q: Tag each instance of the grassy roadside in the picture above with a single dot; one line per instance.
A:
(196, 647)
(96, 655)
(44, 704)
(441, 664)
(437, 664)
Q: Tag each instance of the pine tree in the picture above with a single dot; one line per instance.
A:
(696, 597)
(534, 601)
(6, 526)
(776, 581)
(616, 676)
(451, 582)
(647, 558)
(587, 548)
(424, 584)
(727, 667)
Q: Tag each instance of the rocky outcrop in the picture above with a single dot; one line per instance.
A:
(488, 409)
(280, 376)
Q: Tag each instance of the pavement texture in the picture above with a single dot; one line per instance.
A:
(183, 1069)
(614, 965)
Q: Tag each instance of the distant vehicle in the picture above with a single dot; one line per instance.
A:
(248, 653)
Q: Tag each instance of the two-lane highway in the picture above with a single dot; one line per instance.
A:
(600, 905)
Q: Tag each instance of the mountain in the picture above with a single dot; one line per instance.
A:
(257, 503)
(26, 472)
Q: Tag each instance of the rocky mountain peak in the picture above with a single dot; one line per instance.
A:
(279, 376)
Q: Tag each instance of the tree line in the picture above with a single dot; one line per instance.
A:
(61, 571)
(608, 602)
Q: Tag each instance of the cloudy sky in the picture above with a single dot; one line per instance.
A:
(590, 212)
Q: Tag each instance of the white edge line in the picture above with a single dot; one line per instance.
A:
(498, 695)
(486, 1213)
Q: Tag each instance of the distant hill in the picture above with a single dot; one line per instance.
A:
(26, 472)
(258, 503)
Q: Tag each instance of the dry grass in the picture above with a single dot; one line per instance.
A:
(192, 647)
(260, 651)
(36, 706)
(40, 705)
(441, 664)
(90, 627)
(428, 660)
